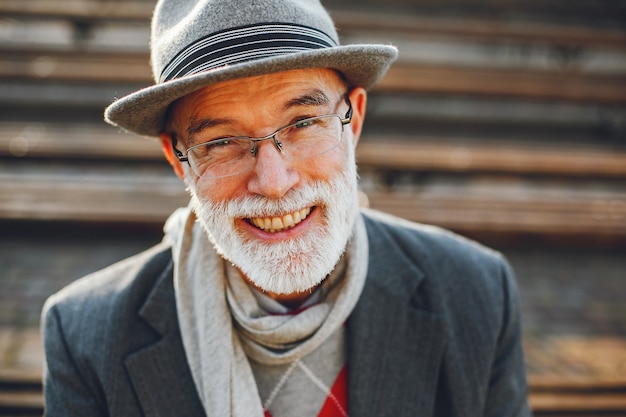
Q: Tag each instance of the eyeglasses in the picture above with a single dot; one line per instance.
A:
(230, 156)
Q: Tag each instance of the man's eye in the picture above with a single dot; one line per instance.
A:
(223, 142)
(213, 147)
(219, 143)
(305, 123)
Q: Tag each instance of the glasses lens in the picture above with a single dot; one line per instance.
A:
(310, 137)
(221, 158)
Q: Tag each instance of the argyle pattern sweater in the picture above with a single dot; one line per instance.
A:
(315, 385)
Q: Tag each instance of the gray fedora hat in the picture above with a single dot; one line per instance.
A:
(196, 43)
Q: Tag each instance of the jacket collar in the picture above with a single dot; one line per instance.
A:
(395, 343)
(159, 371)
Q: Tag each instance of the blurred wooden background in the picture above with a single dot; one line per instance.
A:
(502, 120)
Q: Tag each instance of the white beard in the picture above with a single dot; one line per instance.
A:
(296, 264)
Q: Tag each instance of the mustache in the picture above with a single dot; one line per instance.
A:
(317, 193)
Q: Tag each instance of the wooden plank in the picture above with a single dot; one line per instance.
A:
(545, 383)
(509, 209)
(20, 392)
(21, 401)
(376, 17)
(500, 82)
(507, 117)
(78, 141)
(487, 205)
(420, 79)
(63, 35)
(473, 28)
(92, 67)
(435, 50)
(438, 155)
(30, 99)
(75, 141)
(82, 10)
(107, 42)
(20, 377)
(576, 402)
(591, 12)
(142, 197)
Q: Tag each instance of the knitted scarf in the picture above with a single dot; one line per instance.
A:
(216, 349)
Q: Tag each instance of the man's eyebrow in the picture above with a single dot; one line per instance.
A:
(311, 98)
(198, 125)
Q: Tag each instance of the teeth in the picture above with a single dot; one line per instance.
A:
(277, 224)
(288, 221)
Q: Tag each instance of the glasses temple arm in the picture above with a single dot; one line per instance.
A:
(181, 157)
(348, 117)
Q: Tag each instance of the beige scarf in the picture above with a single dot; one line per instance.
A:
(206, 302)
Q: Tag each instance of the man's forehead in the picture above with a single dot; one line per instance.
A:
(294, 80)
(307, 87)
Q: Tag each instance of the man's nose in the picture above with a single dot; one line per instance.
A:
(273, 175)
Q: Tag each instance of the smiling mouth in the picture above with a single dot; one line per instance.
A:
(278, 224)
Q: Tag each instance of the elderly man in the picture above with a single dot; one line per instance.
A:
(273, 293)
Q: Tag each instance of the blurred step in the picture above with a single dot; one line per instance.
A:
(20, 393)
(374, 152)
(147, 195)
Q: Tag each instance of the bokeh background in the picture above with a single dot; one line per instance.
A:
(504, 121)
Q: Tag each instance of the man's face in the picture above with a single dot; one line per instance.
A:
(284, 223)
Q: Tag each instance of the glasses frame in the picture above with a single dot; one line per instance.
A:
(184, 157)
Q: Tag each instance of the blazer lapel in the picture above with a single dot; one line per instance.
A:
(395, 343)
(159, 372)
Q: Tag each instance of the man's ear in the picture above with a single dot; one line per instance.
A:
(358, 98)
(168, 151)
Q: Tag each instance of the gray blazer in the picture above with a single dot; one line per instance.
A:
(436, 332)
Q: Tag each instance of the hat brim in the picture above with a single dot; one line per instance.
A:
(143, 112)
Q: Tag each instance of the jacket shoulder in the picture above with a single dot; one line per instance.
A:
(430, 246)
(456, 276)
(92, 309)
(107, 285)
